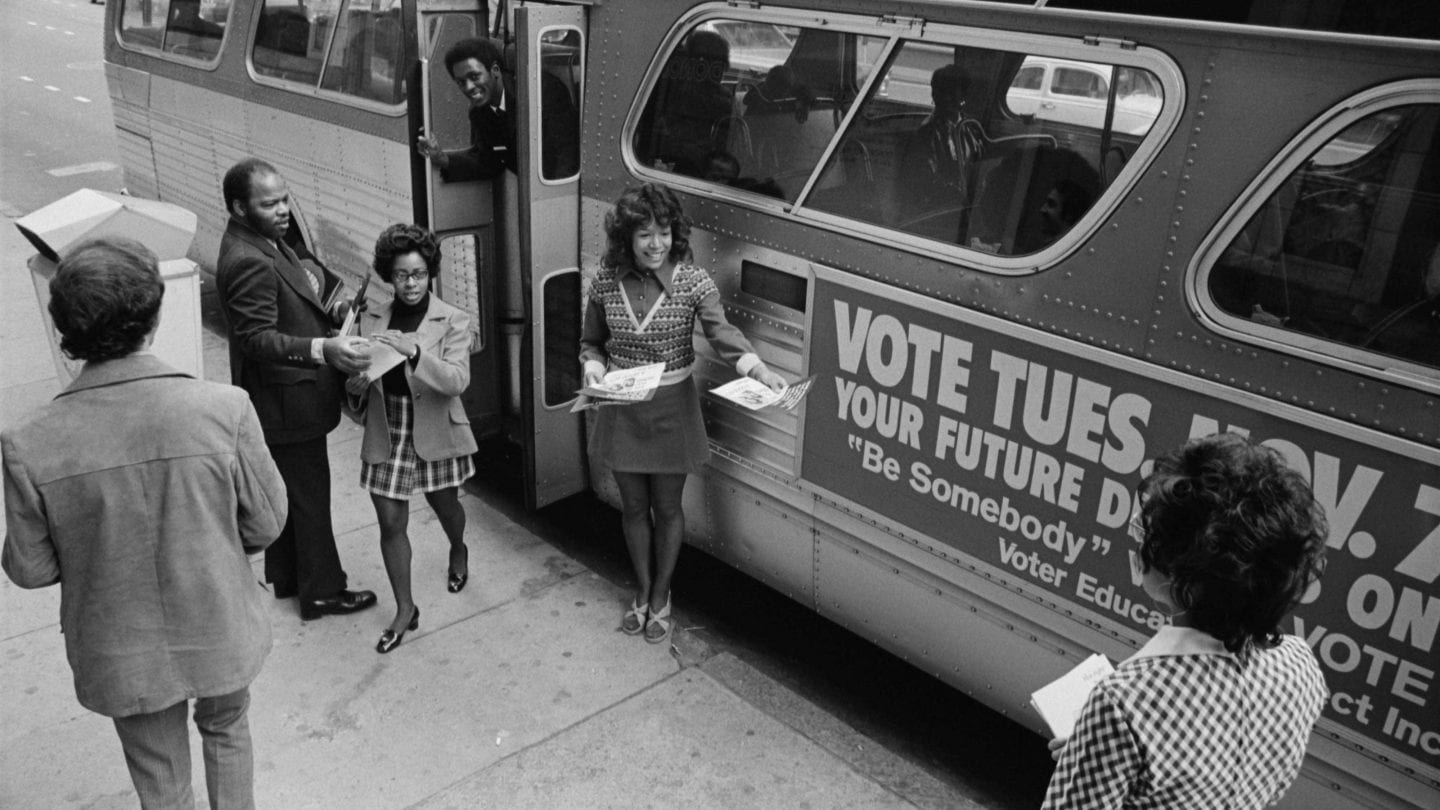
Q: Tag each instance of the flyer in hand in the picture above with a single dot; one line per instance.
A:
(1060, 701)
(621, 387)
(753, 394)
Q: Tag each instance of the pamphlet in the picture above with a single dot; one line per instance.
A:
(621, 387)
(382, 358)
(1061, 701)
(753, 394)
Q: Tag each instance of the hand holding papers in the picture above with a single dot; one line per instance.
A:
(753, 394)
(1061, 701)
(621, 387)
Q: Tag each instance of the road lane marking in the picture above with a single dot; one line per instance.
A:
(81, 168)
(81, 99)
(26, 79)
(69, 33)
(52, 88)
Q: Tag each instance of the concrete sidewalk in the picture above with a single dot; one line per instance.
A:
(519, 692)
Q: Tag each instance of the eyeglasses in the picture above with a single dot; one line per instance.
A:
(418, 275)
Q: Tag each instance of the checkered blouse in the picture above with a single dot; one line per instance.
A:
(1183, 723)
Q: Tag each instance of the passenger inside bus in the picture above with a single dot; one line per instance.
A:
(937, 166)
(693, 119)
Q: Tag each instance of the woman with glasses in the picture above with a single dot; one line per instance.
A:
(417, 436)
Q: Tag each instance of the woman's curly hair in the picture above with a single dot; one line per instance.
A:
(1238, 533)
(400, 239)
(105, 298)
(636, 207)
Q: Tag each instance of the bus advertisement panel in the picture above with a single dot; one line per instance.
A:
(1022, 454)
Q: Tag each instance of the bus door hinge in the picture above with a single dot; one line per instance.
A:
(913, 24)
(1110, 42)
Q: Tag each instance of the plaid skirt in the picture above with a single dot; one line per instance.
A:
(404, 474)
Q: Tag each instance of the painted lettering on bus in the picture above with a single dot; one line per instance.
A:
(1058, 405)
(891, 350)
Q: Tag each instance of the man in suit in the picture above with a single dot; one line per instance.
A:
(279, 322)
(141, 490)
(476, 66)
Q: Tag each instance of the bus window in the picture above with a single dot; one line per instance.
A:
(1346, 249)
(365, 51)
(290, 42)
(191, 28)
(560, 94)
(563, 305)
(749, 104)
(951, 147)
(365, 57)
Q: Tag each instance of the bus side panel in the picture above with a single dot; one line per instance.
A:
(130, 105)
(918, 610)
(737, 514)
(348, 185)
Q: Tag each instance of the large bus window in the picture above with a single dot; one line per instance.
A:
(965, 146)
(191, 28)
(365, 55)
(749, 104)
(560, 94)
(1347, 249)
(290, 40)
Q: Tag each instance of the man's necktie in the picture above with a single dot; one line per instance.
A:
(311, 277)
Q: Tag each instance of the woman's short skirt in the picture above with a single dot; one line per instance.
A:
(404, 474)
(663, 435)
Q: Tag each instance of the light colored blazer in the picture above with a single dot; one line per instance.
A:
(140, 490)
(442, 430)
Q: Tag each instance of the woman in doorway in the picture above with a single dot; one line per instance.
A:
(642, 310)
(417, 436)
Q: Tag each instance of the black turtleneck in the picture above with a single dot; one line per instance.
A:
(404, 318)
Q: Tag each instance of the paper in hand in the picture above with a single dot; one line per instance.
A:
(753, 394)
(627, 384)
(1061, 701)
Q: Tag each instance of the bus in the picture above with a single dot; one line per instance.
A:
(1178, 218)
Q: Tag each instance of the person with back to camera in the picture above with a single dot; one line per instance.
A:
(141, 491)
(1216, 709)
(642, 309)
(417, 436)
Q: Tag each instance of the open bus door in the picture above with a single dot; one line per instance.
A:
(461, 213)
(550, 69)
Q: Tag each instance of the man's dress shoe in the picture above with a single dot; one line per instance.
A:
(342, 602)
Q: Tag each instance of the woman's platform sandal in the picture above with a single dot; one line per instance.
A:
(657, 627)
(634, 620)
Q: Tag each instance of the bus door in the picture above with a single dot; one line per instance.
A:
(462, 213)
(550, 70)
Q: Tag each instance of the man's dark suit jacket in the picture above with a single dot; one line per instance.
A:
(492, 136)
(272, 316)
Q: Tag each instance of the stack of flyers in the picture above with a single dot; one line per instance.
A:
(621, 387)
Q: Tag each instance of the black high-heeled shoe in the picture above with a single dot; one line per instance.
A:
(456, 582)
(390, 639)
